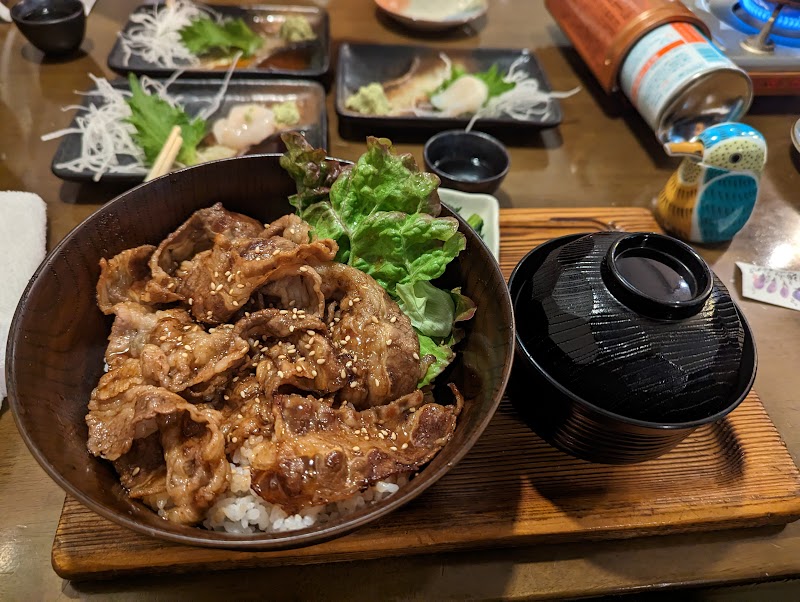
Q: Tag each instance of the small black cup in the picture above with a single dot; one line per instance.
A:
(56, 27)
(467, 161)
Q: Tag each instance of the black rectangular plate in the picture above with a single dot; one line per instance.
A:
(361, 64)
(320, 52)
(197, 94)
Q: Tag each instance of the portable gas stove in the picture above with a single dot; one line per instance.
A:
(762, 37)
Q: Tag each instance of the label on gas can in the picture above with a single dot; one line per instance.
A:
(660, 65)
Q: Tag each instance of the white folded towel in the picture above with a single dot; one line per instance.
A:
(23, 235)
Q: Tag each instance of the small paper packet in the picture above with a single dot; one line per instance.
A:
(778, 287)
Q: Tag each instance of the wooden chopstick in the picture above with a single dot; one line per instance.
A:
(166, 157)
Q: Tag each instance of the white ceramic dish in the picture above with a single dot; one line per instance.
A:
(485, 205)
(434, 15)
(796, 134)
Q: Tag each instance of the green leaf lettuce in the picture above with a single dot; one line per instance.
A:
(430, 309)
(440, 355)
(383, 213)
(400, 248)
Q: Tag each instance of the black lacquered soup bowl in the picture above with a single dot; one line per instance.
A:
(625, 344)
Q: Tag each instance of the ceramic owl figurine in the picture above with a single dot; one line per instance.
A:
(712, 194)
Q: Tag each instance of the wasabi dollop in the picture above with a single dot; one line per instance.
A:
(297, 29)
(286, 113)
(369, 100)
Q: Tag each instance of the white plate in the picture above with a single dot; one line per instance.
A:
(796, 134)
(434, 15)
(484, 205)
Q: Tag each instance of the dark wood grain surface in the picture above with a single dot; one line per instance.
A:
(601, 156)
(512, 489)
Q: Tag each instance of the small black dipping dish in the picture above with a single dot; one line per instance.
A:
(56, 27)
(467, 161)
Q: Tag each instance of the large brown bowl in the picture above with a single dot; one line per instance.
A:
(58, 337)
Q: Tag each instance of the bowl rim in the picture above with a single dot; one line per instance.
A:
(197, 536)
(19, 19)
(466, 133)
(748, 345)
(450, 22)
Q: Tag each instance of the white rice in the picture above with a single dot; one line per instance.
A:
(242, 511)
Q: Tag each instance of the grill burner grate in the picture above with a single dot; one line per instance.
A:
(769, 50)
(788, 19)
(752, 16)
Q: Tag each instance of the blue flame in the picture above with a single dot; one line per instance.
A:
(788, 18)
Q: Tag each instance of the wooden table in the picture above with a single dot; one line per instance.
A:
(602, 154)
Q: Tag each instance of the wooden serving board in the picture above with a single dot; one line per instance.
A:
(512, 489)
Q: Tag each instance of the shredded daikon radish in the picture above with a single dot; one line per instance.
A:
(155, 34)
(107, 144)
(105, 135)
(215, 104)
(524, 101)
(448, 65)
(173, 78)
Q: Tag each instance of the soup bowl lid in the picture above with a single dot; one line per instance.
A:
(635, 324)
